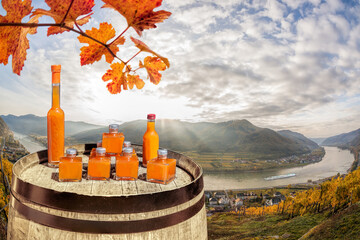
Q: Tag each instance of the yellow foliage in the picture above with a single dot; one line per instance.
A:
(336, 193)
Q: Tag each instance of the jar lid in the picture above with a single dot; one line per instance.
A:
(127, 144)
(151, 116)
(128, 150)
(71, 151)
(114, 126)
(162, 152)
(100, 150)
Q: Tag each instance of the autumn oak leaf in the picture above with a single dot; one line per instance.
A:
(135, 80)
(58, 10)
(117, 76)
(143, 47)
(13, 39)
(139, 14)
(153, 65)
(94, 51)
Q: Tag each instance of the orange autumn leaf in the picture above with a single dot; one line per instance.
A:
(143, 47)
(139, 14)
(13, 39)
(94, 51)
(58, 9)
(135, 80)
(117, 76)
(153, 65)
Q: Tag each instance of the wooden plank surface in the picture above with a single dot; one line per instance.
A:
(44, 176)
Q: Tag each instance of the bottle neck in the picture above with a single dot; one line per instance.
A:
(56, 95)
(162, 157)
(151, 125)
(71, 155)
(127, 154)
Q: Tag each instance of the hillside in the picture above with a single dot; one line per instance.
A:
(299, 138)
(345, 139)
(11, 148)
(31, 124)
(224, 137)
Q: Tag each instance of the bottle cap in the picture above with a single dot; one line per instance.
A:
(128, 150)
(55, 68)
(114, 126)
(100, 150)
(127, 144)
(151, 116)
(71, 151)
(162, 152)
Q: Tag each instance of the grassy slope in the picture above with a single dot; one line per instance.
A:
(230, 227)
(343, 225)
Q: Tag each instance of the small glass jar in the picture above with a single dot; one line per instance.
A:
(70, 167)
(127, 165)
(99, 166)
(161, 169)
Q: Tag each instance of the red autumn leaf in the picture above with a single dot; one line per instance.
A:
(135, 80)
(143, 47)
(139, 14)
(117, 76)
(13, 39)
(94, 51)
(153, 65)
(58, 9)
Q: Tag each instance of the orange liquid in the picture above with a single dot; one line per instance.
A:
(127, 167)
(70, 169)
(99, 168)
(150, 143)
(113, 142)
(55, 129)
(93, 153)
(161, 170)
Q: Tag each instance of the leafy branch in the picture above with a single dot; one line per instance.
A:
(139, 16)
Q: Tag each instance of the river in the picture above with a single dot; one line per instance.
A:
(335, 161)
(28, 142)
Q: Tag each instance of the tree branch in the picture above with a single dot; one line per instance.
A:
(67, 12)
(133, 56)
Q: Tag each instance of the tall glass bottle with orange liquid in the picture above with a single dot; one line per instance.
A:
(150, 140)
(55, 122)
(161, 169)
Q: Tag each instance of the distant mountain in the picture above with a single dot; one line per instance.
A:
(31, 124)
(345, 139)
(299, 138)
(231, 136)
(319, 141)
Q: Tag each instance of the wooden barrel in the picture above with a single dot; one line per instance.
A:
(41, 207)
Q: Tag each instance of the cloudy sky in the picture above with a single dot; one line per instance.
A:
(290, 64)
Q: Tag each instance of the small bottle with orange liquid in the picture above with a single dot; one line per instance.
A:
(128, 144)
(99, 166)
(70, 167)
(127, 165)
(93, 151)
(113, 140)
(55, 122)
(161, 169)
(150, 140)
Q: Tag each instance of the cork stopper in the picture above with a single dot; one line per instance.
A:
(55, 69)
